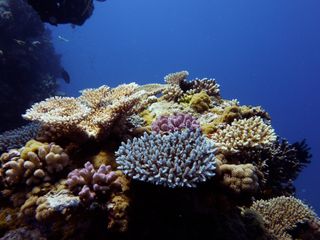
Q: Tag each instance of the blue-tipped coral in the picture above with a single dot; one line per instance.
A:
(180, 159)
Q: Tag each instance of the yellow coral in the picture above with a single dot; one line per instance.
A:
(200, 102)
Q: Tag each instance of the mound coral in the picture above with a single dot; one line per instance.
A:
(179, 159)
(174, 122)
(240, 178)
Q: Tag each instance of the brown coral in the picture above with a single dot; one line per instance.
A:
(240, 178)
(283, 214)
(36, 162)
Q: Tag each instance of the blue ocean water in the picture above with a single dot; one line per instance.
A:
(261, 52)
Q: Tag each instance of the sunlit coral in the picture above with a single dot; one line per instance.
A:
(251, 132)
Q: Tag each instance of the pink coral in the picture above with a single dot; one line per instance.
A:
(175, 122)
(89, 183)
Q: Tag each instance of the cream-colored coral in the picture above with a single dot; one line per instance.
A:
(172, 93)
(71, 115)
(282, 214)
(37, 162)
(240, 178)
(176, 78)
(210, 86)
(244, 133)
(57, 110)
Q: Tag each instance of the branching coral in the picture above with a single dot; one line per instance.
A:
(35, 163)
(175, 122)
(283, 214)
(18, 137)
(90, 184)
(251, 133)
(179, 159)
(210, 86)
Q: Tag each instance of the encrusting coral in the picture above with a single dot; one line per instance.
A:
(152, 161)
(179, 159)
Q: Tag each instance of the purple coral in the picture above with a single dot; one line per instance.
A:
(175, 122)
(89, 183)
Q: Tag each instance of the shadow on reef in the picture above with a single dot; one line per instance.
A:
(66, 11)
(29, 66)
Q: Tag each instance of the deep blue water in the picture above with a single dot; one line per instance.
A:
(261, 52)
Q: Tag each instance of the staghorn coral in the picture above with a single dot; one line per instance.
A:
(35, 163)
(176, 78)
(90, 184)
(175, 122)
(250, 133)
(283, 214)
(179, 159)
(242, 178)
(18, 137)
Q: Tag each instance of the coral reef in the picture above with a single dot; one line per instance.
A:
(152, 161)
(179, 159)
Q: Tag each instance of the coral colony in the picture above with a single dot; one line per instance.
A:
(148, 162)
